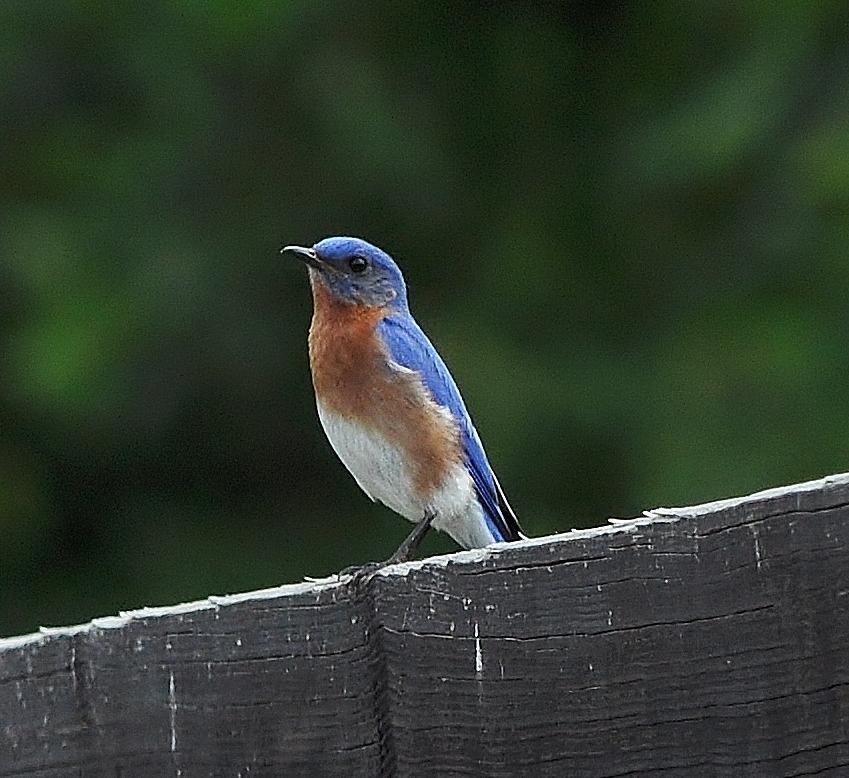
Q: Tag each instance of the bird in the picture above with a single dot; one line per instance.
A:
(388, 404)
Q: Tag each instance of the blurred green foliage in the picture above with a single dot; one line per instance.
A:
(625, 226)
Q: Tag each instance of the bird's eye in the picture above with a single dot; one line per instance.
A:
(358, 264)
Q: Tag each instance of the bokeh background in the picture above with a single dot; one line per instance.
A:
(626, 226)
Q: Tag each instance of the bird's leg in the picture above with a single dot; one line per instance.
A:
(406, 550)
(362, 574)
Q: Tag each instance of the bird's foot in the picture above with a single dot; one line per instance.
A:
(361, 575)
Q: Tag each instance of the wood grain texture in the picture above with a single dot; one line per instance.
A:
(697, 641)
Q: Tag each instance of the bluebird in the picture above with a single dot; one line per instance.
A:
(388, 404)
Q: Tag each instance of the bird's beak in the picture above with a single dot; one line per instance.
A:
(304, 254)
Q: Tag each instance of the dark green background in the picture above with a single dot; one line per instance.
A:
(626, 227)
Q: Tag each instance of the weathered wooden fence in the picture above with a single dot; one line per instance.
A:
(697, 641)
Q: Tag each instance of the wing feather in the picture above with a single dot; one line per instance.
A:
(410, 348)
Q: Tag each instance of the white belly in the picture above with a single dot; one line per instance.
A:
(381, 470)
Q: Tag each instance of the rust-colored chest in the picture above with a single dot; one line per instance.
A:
(353, 378)
(346, 356)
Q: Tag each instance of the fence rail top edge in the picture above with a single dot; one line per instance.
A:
(652, 516)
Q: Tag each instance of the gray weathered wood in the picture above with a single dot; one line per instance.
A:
(694, 641)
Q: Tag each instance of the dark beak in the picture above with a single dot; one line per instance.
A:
(304, 254)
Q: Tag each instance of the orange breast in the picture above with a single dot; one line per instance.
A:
(352, 377)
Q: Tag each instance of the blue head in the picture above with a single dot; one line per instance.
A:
(355, 272)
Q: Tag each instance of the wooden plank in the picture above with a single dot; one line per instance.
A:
(248, 685)
(694, 641)
(713, 645)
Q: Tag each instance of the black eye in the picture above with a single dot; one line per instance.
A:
(357, 264)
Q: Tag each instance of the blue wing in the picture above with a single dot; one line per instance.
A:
(410, 347)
